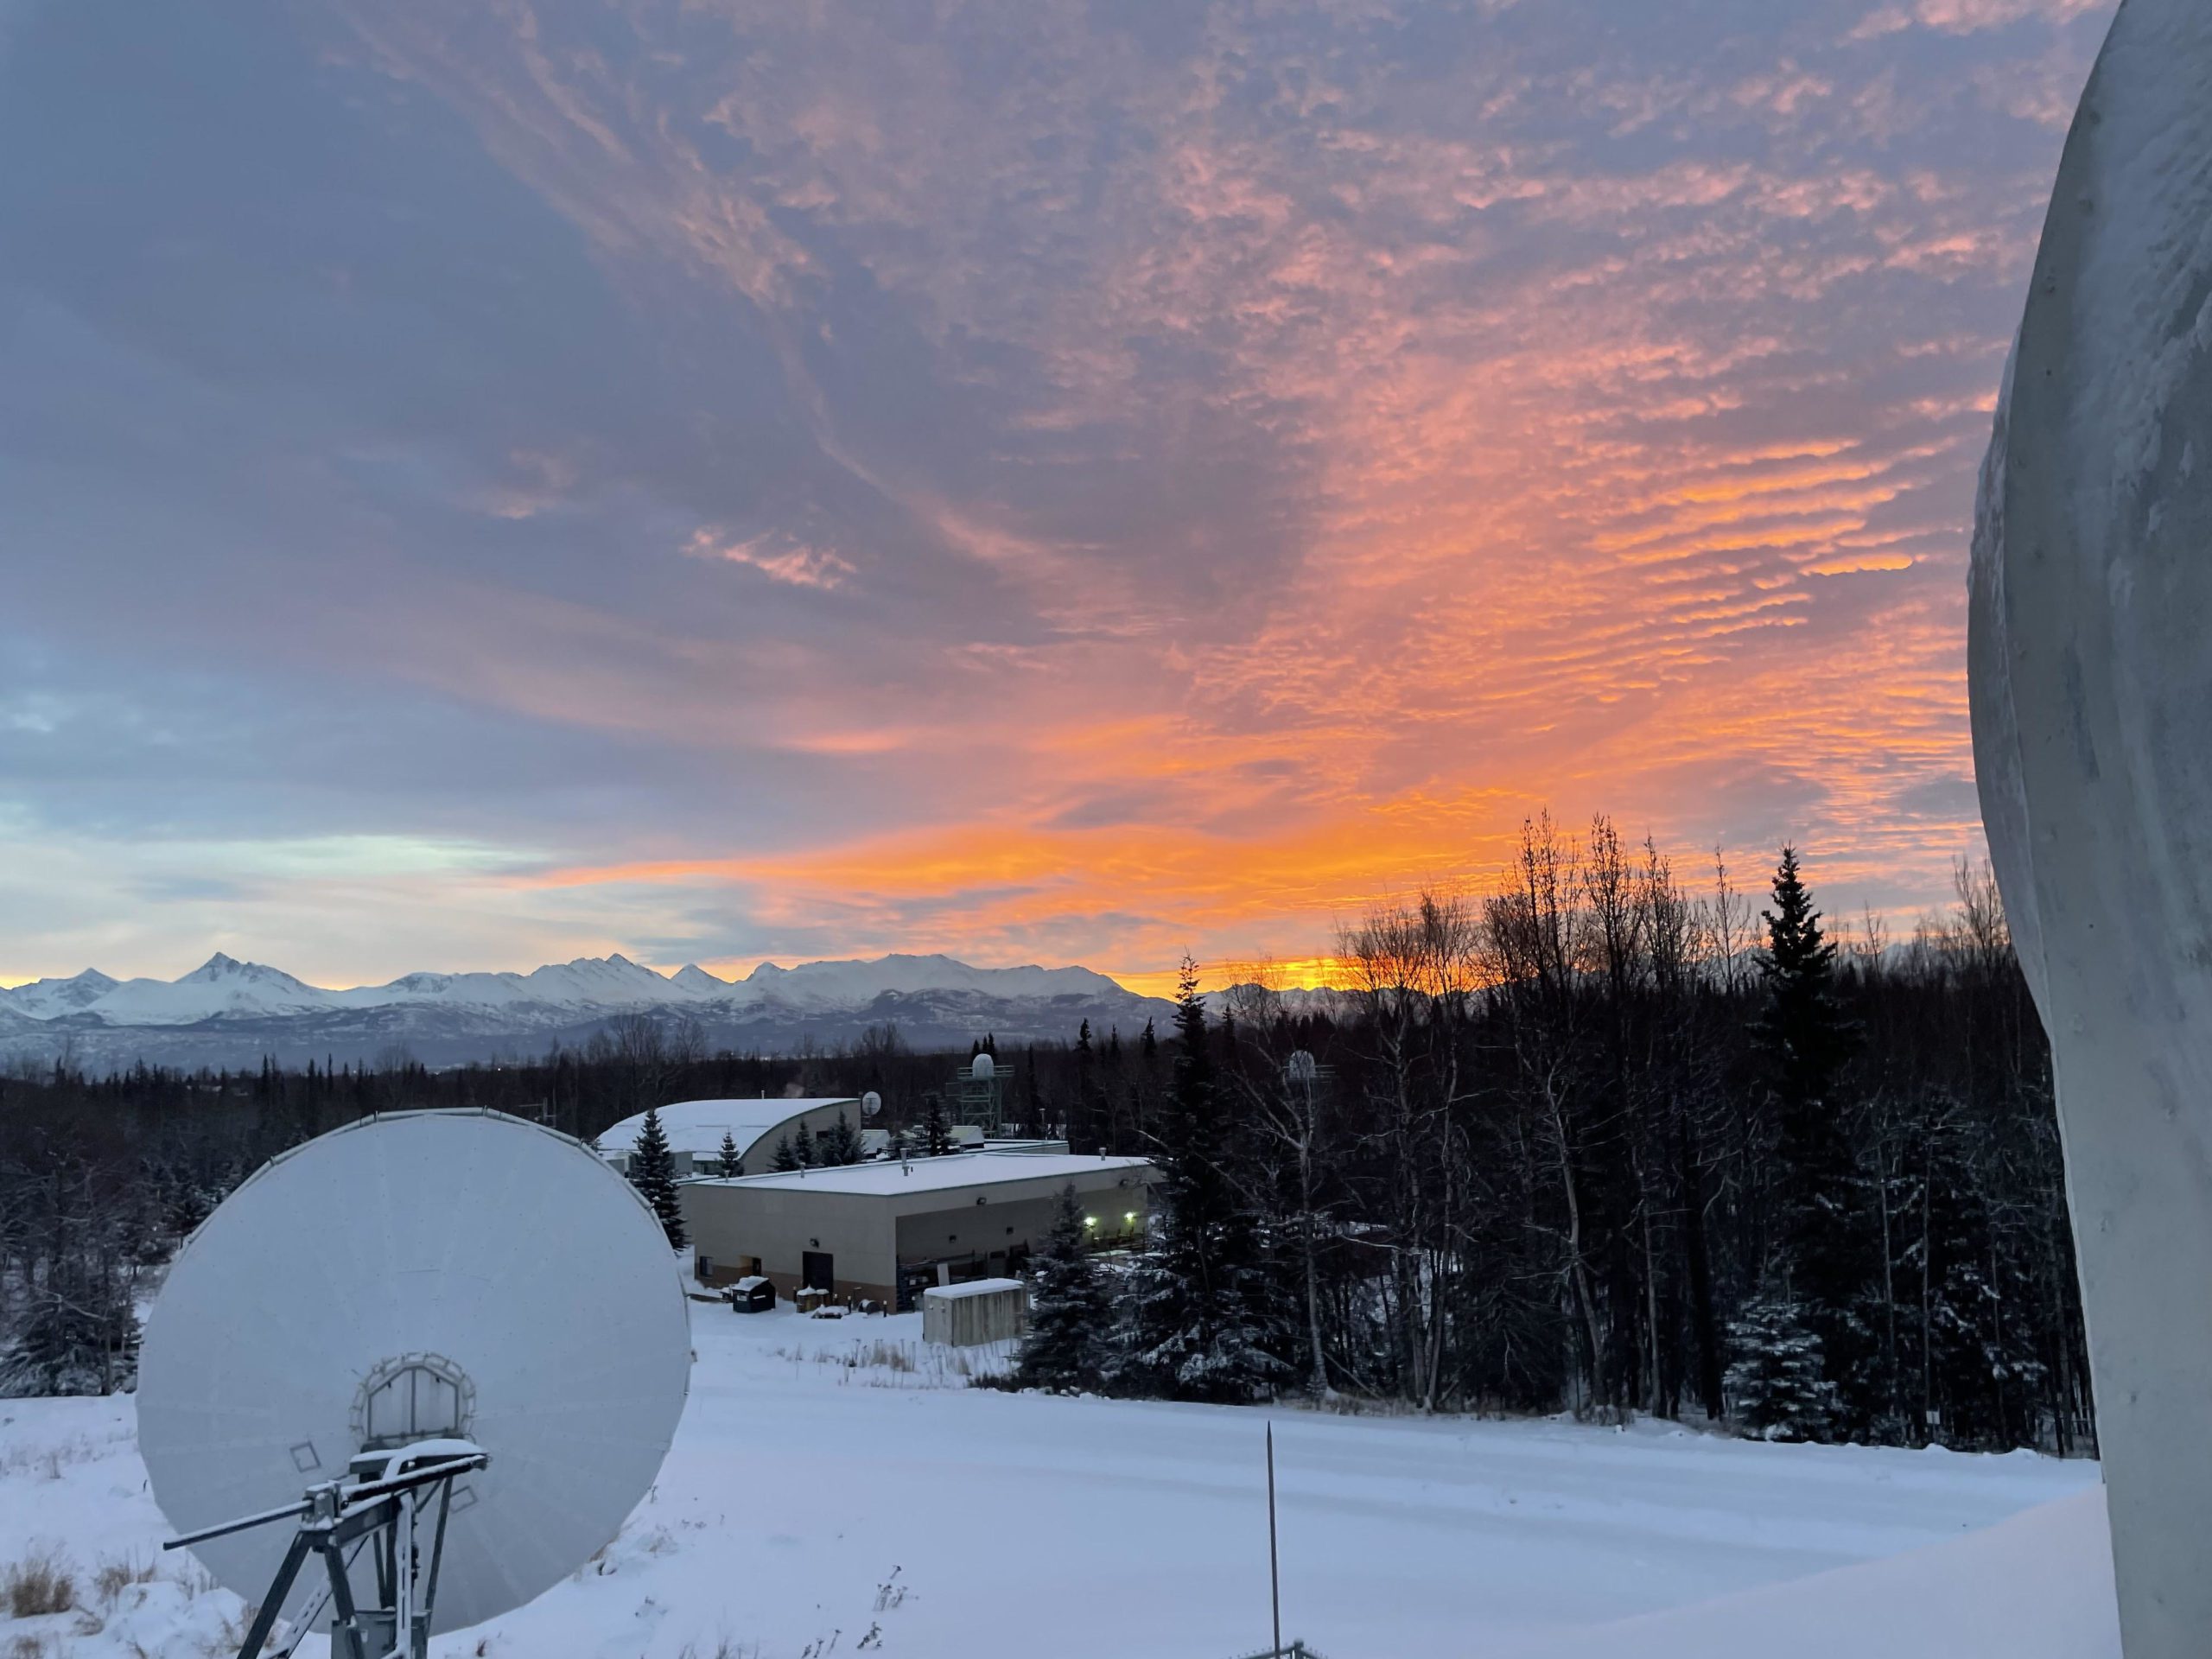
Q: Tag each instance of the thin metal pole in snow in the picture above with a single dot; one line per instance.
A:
(1275, 1573)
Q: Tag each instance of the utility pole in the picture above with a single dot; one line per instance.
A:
(1275, 1573)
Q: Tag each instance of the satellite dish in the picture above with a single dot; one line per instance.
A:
(2088, 658)
(871, 1104)
(983, 1068)
(482, 1296)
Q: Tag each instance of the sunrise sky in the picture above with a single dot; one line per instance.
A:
(1044, 481)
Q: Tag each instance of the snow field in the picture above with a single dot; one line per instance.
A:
(835, 1488)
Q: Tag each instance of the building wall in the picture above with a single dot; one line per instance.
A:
(962, 1227)
(733, 1225)
(869, 1236)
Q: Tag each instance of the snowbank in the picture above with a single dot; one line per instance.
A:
(2038, 1586)
(833, 1485)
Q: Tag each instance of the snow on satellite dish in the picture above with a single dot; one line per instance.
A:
(457, 1316)
(871, 1104)
(982, 1068)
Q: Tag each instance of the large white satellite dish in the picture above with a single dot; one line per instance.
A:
(2088, 664)
(483, 1290)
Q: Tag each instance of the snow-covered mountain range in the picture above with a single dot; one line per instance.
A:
(231, 1013)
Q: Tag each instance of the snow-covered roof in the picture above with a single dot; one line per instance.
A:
(973, 1287)
(940, 1174)
(697, 1125)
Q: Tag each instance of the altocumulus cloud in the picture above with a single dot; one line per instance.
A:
(1023, 477)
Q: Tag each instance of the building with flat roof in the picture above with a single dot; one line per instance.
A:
(885, 1232)
(695, 1129)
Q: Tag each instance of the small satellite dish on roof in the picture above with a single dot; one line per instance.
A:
(871, 1104)
(982, 1068)
(458, 1334)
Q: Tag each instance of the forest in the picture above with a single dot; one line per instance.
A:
(1598, 1138)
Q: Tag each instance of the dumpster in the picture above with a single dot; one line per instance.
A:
(751, 1295)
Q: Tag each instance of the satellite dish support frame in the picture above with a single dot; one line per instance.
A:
(378, 1509)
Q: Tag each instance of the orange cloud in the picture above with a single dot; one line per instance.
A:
(1508, 464)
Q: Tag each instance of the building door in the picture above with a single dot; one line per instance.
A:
(816, 1270)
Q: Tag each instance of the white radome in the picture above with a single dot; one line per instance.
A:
(2090, 659)
(474, 1247)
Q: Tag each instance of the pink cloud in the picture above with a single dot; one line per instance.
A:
(777, 556)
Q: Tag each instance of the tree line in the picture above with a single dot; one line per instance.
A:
(1590, 1141)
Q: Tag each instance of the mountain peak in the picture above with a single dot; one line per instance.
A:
(227, 1006)
(42, 999)
(222, 967)
(614, 962)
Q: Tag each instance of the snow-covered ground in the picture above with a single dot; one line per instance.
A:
(813, 1508)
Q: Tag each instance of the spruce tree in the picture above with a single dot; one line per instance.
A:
(840, 1145)
(1824, 1257)
(786, 1159)
(186, 1203)
(804, 1150)
(732, 1163)
(1199, 1324)
(652, 1170)
(1114, 1135)
(1803, 1029)
(1082, 1127)
(1777, 1380)
(936, 1135)
(1070, 1317)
